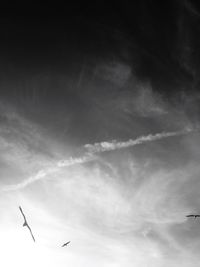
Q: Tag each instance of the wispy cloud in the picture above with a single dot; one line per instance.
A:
(42, 174)
(90, 155)
(114, 145)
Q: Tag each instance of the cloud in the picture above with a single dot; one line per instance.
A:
(49, 171)
(114, 145)
(115, 72)
(111, 216)
(149, 103)
(191, 8)
(123, 208)
(90, 156)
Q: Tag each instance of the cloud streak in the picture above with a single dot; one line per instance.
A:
(90, 155)
(114, 145)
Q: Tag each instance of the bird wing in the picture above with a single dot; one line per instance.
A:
(31, 232)
(22, 214)
(65, 244)
(26, 224)
(191, 215)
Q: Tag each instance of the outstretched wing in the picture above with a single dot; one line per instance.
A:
(191, 215)
(23, 214)
(65, 244)
(31, 232)
(26, 224)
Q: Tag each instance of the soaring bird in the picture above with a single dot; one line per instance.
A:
(193, 215)
(65, 244)
(26, 224)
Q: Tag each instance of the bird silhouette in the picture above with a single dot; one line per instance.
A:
(26, 224)
(65, 244)
(193, 215)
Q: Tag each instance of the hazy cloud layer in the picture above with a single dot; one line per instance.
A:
(116, 202)
(99, 144)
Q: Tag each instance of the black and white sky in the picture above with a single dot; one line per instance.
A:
(99, 135)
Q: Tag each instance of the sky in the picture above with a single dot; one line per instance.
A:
(99, 136)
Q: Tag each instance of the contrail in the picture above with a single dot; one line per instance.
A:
(42, 174)
(90, 155)
(114, 145)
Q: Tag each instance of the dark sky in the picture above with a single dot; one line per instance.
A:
(163, 35)
(53, 57)
(99, 134)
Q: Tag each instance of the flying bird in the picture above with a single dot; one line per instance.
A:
(26, 224)
(193, 215)
(65, 244)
